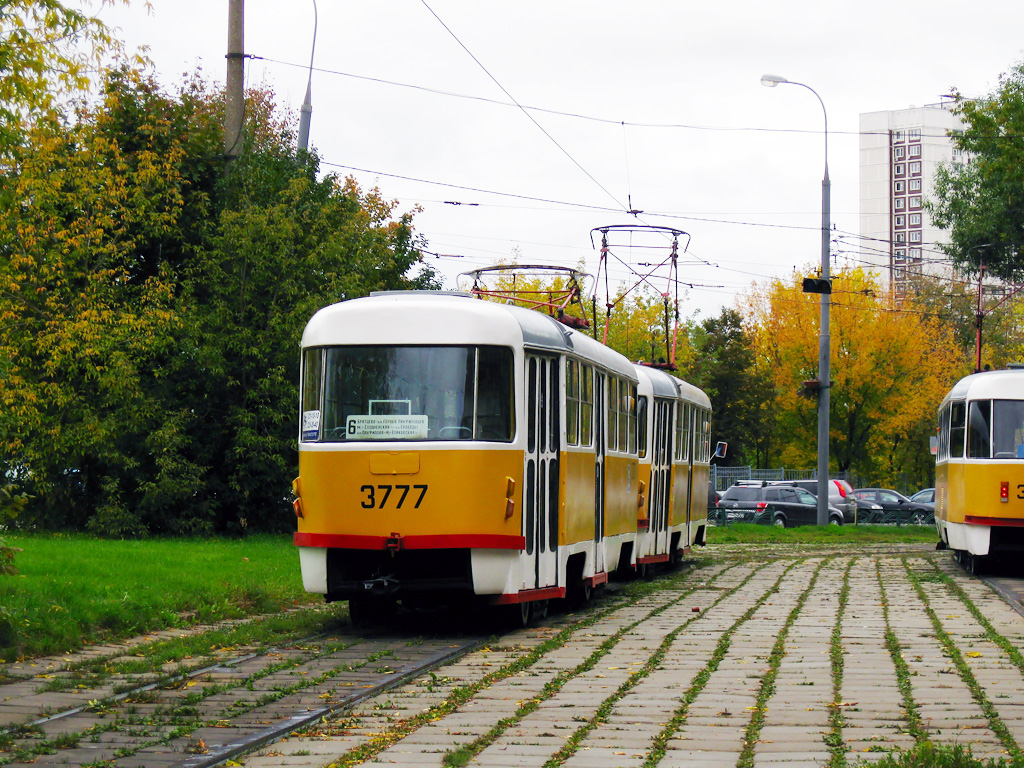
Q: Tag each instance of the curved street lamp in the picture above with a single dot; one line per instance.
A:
(306, 111)
(824, 339)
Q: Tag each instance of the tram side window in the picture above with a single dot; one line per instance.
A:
(682, 441)
(631, 418)
(943, 452)
(1008, 429)
(704, 419)
(495, 395)
(586, 405)
(312, 383)
(978, 420)
(572, 402)
(624, 409)
(957, 429)
(641, 425)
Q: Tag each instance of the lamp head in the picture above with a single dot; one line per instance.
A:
(770, 81)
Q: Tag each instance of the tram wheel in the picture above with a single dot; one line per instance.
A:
(580, 593)
(514, 616)
(540, 609)
(976, 564)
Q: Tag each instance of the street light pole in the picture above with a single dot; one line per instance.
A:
(306, 111)
(824, 338)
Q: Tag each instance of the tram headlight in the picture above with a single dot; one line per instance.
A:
(1004, 492)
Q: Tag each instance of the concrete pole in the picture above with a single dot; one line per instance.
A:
(234, 106)
(824, 334)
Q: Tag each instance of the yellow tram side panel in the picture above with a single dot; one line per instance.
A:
(577, 495)
(621, 477)
(971, 488)
(466, 492)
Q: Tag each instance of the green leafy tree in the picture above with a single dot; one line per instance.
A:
(955, 304)
(48, 50)
(151, 307)
(981, 203)
(723, 366)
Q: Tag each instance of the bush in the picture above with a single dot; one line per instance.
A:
(11, 504)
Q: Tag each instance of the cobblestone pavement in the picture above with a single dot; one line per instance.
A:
(775, 660)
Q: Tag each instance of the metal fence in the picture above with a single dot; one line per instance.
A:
(723, 477)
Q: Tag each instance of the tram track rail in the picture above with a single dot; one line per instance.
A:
(207, 715)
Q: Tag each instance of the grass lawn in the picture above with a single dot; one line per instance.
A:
(751, 533)
(75, 590)
(72, 590)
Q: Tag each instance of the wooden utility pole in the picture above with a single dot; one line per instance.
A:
(234, 97)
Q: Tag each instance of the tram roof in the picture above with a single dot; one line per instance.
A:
(446, 317)
(989, 385)
(666, 385)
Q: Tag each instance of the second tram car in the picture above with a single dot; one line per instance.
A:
(979, 471)
(454, 448)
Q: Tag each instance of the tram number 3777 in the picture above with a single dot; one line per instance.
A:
(376, 496)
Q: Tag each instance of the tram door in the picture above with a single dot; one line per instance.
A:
(690, 415)
(661, 476)
(600, 416)
(540, 493)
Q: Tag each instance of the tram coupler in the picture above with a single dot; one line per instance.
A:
(381, 587)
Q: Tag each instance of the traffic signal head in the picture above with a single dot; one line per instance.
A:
(817, 285)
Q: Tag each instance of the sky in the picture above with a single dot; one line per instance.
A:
(519, 128)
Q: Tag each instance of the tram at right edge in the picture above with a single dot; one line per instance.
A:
(979, 470)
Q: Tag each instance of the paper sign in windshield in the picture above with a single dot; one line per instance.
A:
(310, 425)
(386, 427)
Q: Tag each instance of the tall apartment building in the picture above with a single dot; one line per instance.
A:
(900, 151)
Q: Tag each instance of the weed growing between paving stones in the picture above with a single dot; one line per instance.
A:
(836, 718)
(459, 696)
(892, 643)
(929, 755)
(767, 689)
(678, 719)
(601, 715)
(995, 722)
(990, 632)
(466, 752)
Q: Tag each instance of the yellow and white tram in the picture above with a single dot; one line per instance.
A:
(979, 471)
(674, 457)
(452, 448)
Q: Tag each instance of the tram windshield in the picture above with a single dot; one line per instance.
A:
(407, 393)
(995, 429)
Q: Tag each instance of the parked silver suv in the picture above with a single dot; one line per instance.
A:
(840, 496)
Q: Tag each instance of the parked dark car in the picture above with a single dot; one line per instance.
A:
(771, 504)
(840, 496)
(896, 508)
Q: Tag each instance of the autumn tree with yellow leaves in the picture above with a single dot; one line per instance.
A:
(891, 365)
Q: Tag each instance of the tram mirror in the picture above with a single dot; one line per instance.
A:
(720, 450)
(933, 445)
